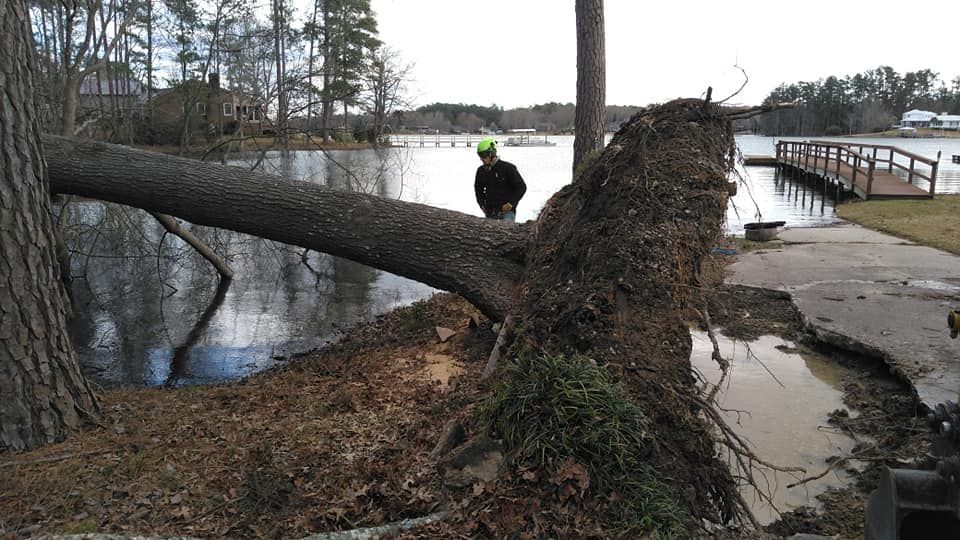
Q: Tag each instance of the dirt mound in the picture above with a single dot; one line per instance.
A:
(748, 312)
(615, 261)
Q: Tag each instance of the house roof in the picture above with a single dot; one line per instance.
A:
(92, 86)
(158, 93)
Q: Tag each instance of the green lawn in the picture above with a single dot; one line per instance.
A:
(934, 223)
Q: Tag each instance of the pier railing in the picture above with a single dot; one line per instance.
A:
(858, 161)
(901, 162)
(434, 139)
(828, 157)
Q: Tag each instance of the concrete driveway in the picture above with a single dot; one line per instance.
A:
(870, 293)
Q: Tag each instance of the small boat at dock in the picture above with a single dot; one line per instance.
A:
(527, 137)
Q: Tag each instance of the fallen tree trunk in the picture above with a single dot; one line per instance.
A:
(479, 259)
(605, 273)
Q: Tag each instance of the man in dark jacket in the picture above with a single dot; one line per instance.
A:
(498, 186)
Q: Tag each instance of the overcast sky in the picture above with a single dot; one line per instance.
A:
(517, 53)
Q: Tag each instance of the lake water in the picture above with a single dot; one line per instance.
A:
(778, 399)
(147, 320)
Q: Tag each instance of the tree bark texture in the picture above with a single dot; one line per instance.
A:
(68, 120)
(479, 259)
(591, 80)
(43, 394)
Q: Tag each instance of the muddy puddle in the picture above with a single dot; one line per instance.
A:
(778, 399)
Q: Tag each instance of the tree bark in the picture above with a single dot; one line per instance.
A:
(326, 101)
(68, 120)
(480, 259)
(43, 394)
(591, 80)
(279, 29)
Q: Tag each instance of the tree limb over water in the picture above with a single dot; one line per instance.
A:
(479, 259)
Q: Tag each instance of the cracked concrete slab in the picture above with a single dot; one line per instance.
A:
(870, 293)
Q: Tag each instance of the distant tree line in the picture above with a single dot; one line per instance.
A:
(460, 117)
(866, 102)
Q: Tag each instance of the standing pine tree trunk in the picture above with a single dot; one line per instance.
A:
(311, 61)
(42, 392)
(149, 22)
(326, 105)
(68, 118)
(591, 80)
(279, 32)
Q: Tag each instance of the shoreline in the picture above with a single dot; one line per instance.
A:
(257, 144)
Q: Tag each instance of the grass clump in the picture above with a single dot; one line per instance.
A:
(588, 160)
(931, 222)
(552, 409)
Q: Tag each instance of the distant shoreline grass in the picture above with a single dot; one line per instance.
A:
(931, 222)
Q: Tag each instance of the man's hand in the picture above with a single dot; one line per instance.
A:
(506, 207)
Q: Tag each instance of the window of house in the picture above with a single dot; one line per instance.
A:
(228, 109)
(202, 110)
(256, 113)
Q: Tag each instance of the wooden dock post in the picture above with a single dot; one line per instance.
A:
(856, 166)
(933, 172)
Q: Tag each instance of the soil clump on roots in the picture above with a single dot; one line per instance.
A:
(614, 265)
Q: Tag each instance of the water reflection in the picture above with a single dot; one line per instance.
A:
(768, 194)
(779, 399)
(149, 309)
(179, 363)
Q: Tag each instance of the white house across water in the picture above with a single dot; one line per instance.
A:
(917, 118)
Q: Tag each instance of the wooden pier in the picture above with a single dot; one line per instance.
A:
(870, 171)
(438, 140)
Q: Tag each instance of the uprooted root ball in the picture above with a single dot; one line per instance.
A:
(613, 266)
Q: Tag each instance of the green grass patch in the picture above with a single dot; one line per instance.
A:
(931, 222)
(548, 410)
(86, 526)
(586, 162)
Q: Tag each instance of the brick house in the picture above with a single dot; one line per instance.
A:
(213, 110)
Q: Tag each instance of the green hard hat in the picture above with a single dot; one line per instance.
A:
(487, 146)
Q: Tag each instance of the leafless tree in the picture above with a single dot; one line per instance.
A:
(385, 87)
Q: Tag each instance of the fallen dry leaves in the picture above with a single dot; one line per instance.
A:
(333, 441)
